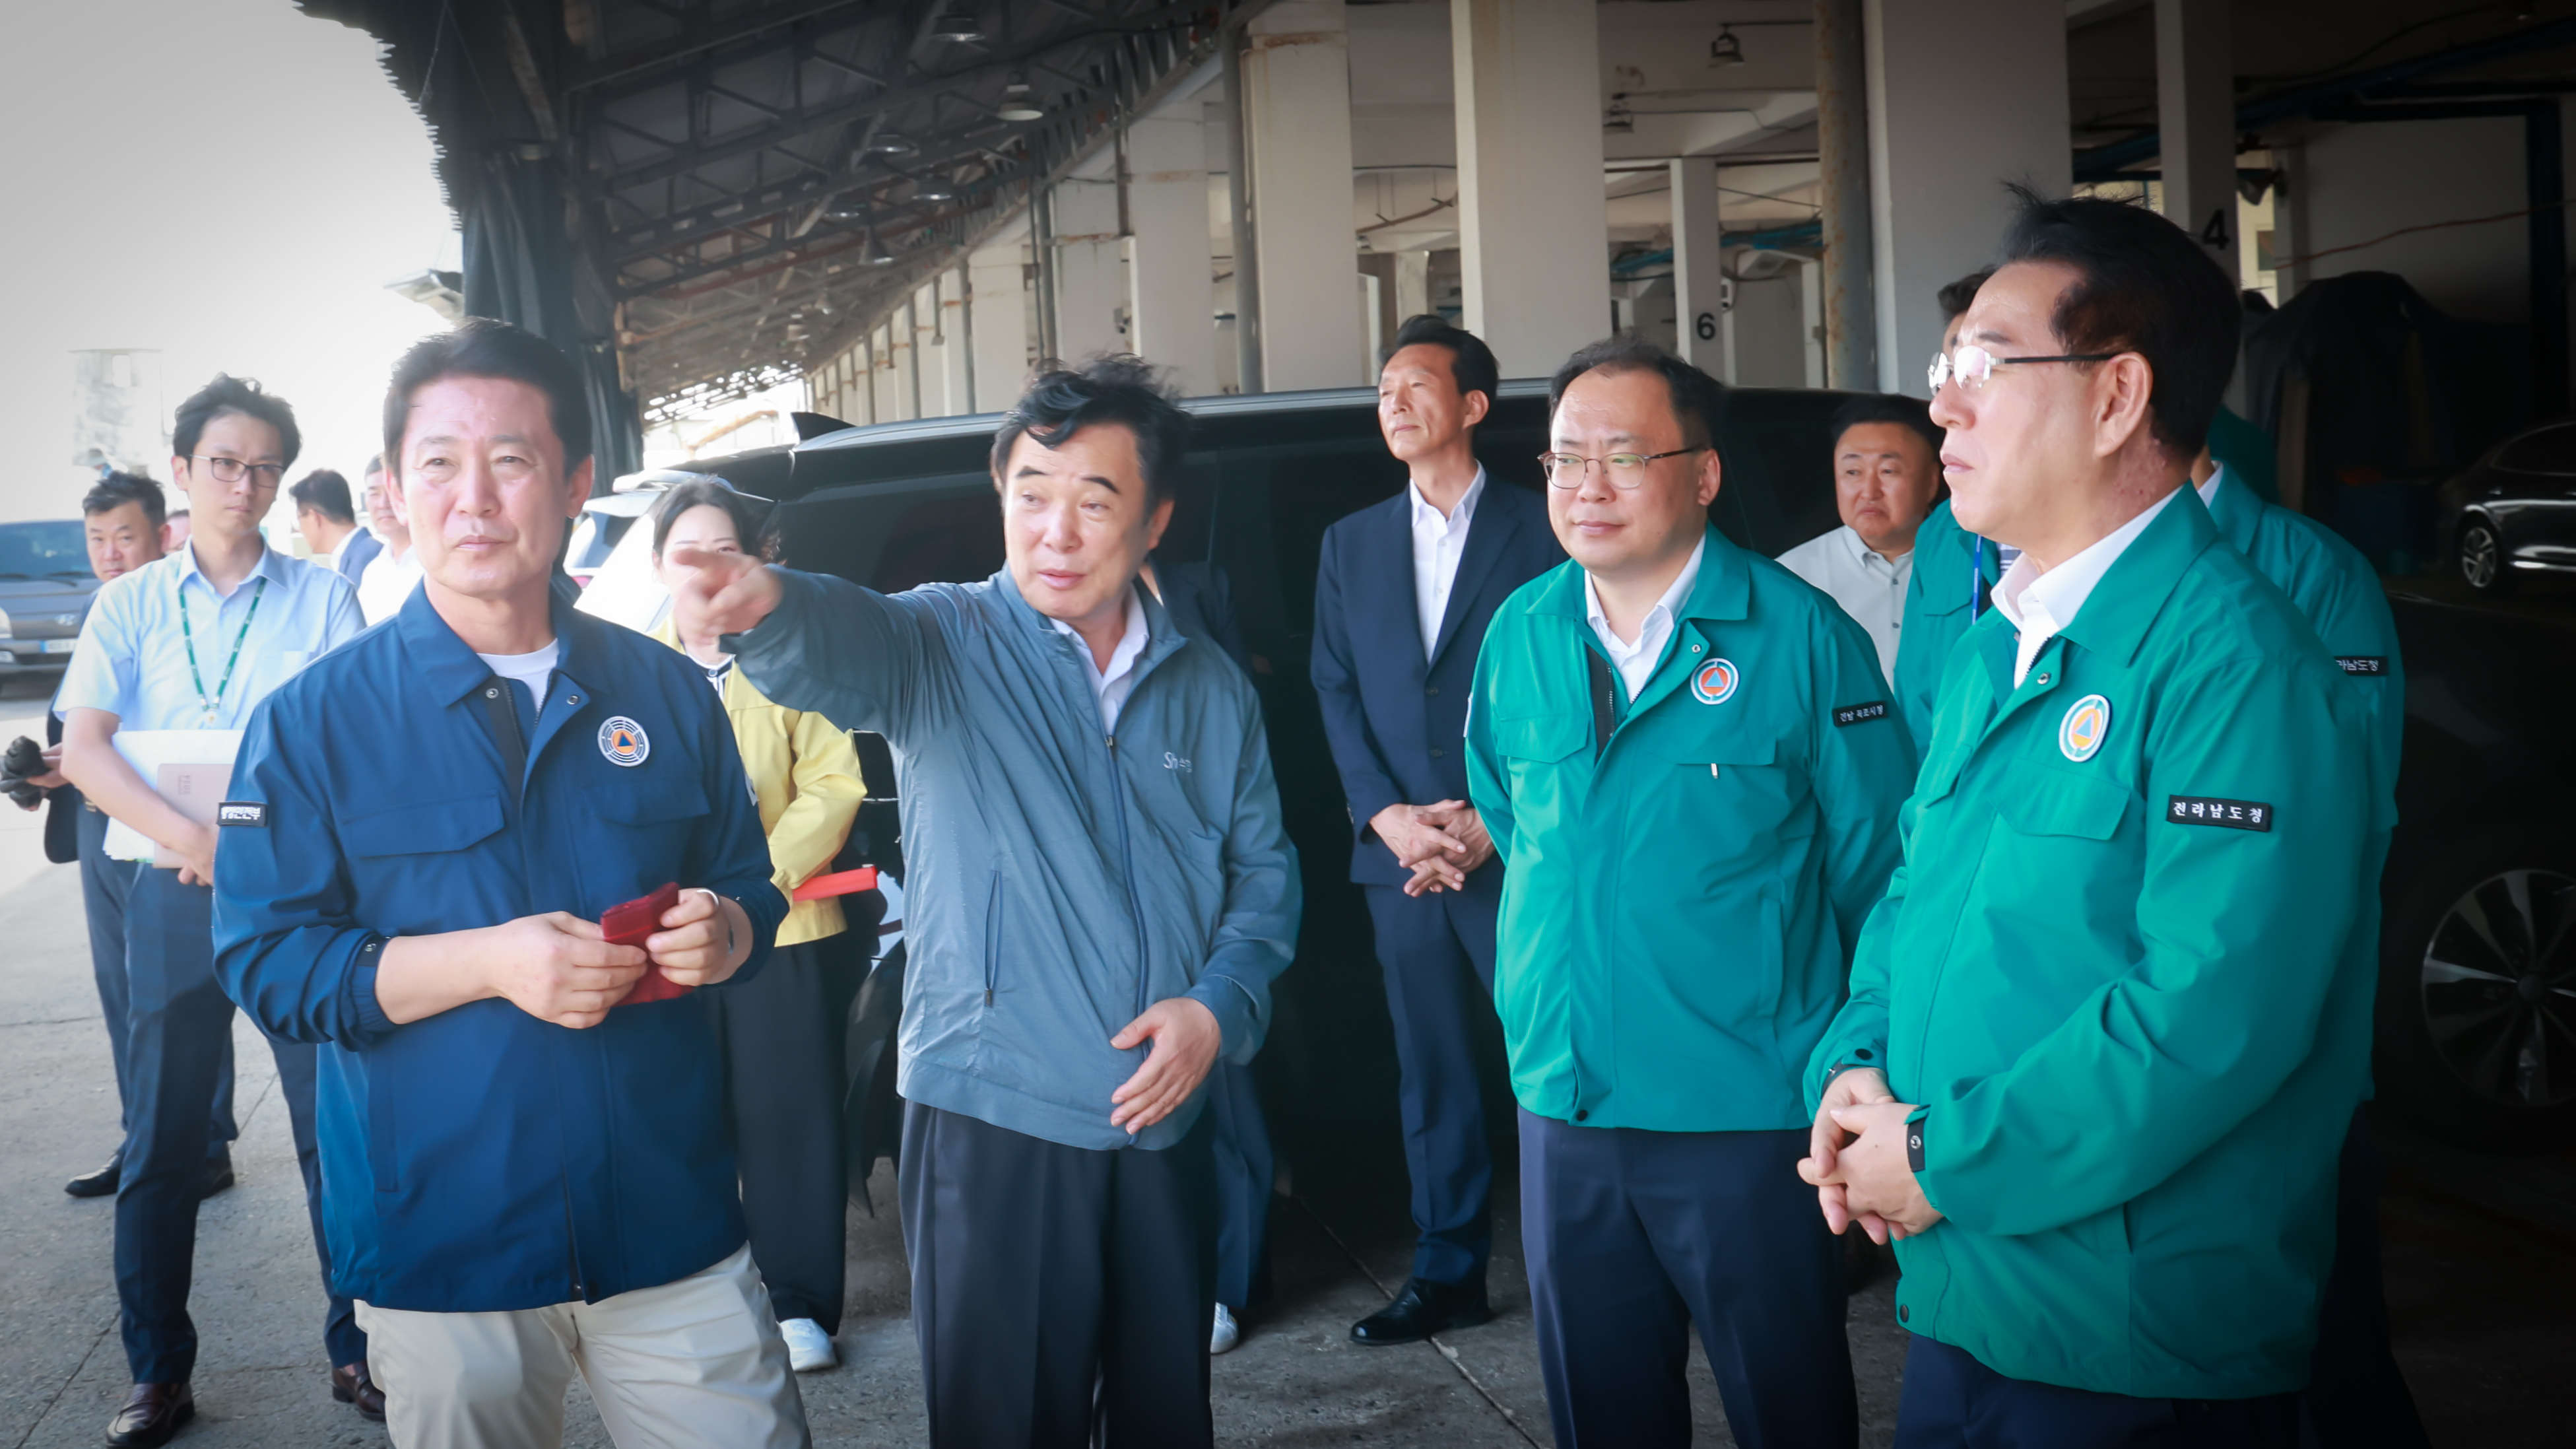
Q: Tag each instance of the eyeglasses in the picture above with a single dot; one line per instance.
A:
(1626, 471)
(230, 470)
(1970, 365)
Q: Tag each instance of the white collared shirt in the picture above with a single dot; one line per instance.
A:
(1111, 686)
(1869, 585)
(1438, 544)
(2209, 490)
(2041, 604)
(386, 583)
(1636, 662)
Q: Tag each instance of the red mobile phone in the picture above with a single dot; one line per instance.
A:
(630, 925)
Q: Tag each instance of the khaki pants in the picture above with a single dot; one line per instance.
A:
(692, 1363)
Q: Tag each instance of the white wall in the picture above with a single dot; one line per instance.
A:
(2369, 179)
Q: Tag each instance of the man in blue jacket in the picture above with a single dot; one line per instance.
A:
(1101, 894)
(1402, 597)
(523, 1171)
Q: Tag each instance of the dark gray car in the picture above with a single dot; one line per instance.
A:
(45, 588)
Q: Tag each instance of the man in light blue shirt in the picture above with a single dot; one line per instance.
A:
(194, 641)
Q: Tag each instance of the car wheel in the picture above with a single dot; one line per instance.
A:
(2477, 1000)
(2482, 560)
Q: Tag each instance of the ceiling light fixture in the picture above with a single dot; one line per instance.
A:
(890, 143)
(1019, 103)
(958, 27)
(933, 191)
(1726, 50)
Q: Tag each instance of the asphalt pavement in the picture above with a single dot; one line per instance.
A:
(2479, 1291)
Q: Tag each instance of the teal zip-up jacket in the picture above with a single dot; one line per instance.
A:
(1939, 594)
(2114, 970)
(1680, 900)
(1060, 880)
(2338, 593)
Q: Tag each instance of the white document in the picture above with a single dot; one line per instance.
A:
(148, 751)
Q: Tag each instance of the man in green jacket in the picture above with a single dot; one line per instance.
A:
(1685, 757)
(2106, 1031)
(1954, 570)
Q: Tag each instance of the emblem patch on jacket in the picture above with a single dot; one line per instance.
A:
(622, 741)
(1852, 714)
(2210, 810)
(1715, 681)
(2087, 722)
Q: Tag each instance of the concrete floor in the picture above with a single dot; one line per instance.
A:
(2479, 1293)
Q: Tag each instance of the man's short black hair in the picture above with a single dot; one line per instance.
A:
(229, 394)
(2142, 285)
(119, 489)
(1471, 362)
(482, 347)
(1956, 297)
(712, 492)
(325, 492)
(1118, 388)
(1698, 399)
(1880, 407)
(375, 465)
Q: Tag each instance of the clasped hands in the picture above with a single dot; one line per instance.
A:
(558, 967)
(1440, 843)
(1856, 1160)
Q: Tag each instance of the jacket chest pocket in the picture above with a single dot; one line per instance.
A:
(414, 863)
(1745, 791)
(655, 820)
(2057, 803)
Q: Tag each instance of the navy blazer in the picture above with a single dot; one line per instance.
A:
(1396, 718)
(361, 547)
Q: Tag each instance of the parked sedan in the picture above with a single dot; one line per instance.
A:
(45, 588)
(2514, 511)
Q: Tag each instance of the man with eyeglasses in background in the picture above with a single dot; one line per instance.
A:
(194, 641)
(1686, 760)
(121, 520)
(2108, 1027)
(1953, 573)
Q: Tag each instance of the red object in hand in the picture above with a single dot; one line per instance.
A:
(630, 925)
(839, 883)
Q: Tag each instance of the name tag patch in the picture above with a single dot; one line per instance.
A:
(242, 812)
(2363, 663)
(1852, 714)
(2210, 810)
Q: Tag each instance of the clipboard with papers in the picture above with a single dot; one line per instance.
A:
(188, 768)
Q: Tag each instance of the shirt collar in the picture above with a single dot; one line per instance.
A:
(1670, 605)
(2059, 594)
(271, 565)
(1131, 642)
(1426, 516)
(453, 671)
(1865, 556)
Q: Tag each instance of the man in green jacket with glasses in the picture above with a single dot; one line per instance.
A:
(1687, 761)
(2106, 1031)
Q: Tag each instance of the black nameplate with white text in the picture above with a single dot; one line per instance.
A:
(242, 812)
(2210, 810)
(2363, 663)
(1852, 714)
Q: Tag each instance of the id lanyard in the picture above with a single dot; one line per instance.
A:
(1977, 582)
(188, 636)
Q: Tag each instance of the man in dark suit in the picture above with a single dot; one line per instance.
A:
(1402, 598)
(364, 545)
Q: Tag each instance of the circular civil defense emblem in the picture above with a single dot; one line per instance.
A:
(622, 741)
(2080, 734)
(1715, 681)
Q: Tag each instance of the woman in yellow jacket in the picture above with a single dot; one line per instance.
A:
(781, 1031)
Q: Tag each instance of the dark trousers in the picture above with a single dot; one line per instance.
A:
(178, 1024)
(781, 1034)
(105, 884)
(1437, 953)
(1245, 1172)
(2356, 1395)
(1061, 1294)
(1954, 1402)
(1632, 1236)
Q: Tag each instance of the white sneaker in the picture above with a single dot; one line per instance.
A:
(808, 1347)
(1226, 1334)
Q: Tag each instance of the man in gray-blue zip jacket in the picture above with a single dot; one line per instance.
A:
(1100, 894)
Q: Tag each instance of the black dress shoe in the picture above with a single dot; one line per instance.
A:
(351, 1384)
(101, 1183)
(219, 1175)
(152, 1413)
(1421, 1310)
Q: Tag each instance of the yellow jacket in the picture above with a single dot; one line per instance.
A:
(806, 774)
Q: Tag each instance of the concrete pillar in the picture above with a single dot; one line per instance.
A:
(1297, 97)
(1168, 255)
(1940, 151)
(881, 376)
(1699, 271)
(1412, 284)
(1090, 260)
(1534, 236)
(929, 351)
(1849, 317)
(956, 384)
(999, 315)
(2196, 122)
